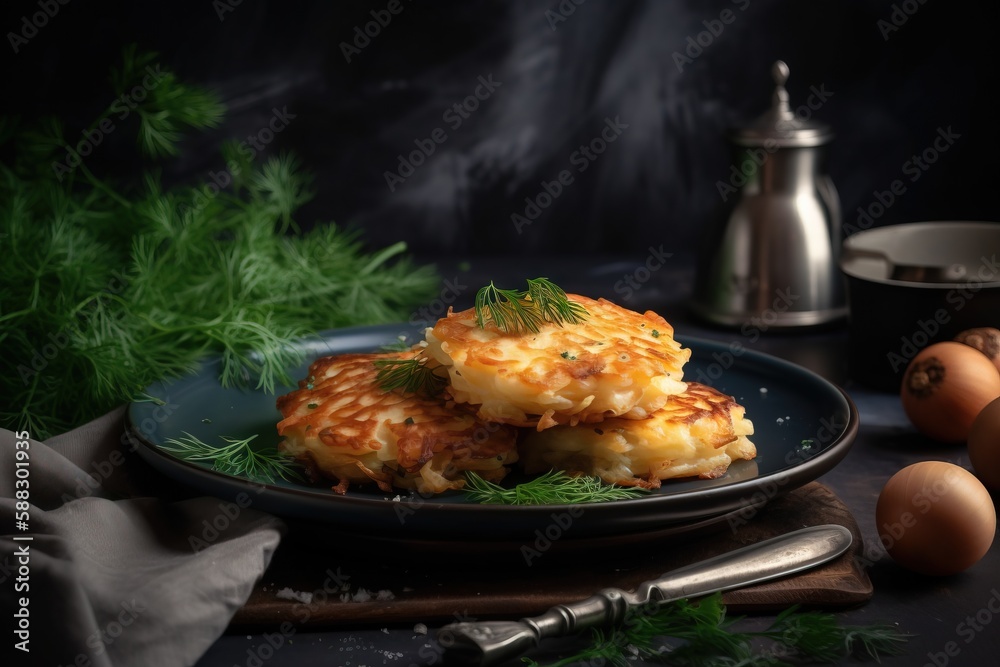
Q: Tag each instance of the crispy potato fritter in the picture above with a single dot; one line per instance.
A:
(696, 434)
(343, 426)
(614, 363)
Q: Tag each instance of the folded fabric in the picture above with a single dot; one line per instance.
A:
(121, 568)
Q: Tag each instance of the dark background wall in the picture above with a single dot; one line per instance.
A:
(892, 74)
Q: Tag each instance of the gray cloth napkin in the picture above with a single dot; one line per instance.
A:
(122, 569)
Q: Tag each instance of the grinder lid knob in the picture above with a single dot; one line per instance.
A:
(780, 125)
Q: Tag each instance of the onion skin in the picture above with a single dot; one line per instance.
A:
(935, 518)
(945, 387)
(984, 446)
(984, 339)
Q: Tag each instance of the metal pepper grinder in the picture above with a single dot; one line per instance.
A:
(771, 257)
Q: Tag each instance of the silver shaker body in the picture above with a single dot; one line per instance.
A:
(771, 259)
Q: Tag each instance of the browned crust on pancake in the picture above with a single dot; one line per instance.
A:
(339, 411)
(706, 409)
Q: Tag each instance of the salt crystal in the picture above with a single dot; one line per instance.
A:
(419, 628)
(385, 595)
(289, 594)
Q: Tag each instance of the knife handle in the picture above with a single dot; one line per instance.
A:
(606, 607)
(487, 643)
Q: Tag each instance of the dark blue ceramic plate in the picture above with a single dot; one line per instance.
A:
(803, 426)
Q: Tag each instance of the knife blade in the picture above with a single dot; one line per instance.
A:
(488, 643)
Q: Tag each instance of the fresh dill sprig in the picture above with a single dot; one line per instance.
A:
(108, 286)
(516, 311)
(699, 634)
(817, 636)
(236, 457)
(507, 310)
(169, 106)
(552, 488)
(411, 376)
(552, 302)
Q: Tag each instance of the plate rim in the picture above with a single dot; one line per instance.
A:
(735, 495)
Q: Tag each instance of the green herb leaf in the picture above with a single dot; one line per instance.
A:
(552, 302)
(167, 106)
(514, 311)
(552, 488)
(236, 457)
(410, 376)
(699, 634)
(507, 310)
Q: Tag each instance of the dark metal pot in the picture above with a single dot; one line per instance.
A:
(914, 284)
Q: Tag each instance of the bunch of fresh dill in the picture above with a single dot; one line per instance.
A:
(699, 634)
(107, 286)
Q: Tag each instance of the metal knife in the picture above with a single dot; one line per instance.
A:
(492, 642)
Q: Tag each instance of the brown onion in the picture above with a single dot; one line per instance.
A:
(945, 387)
(984, 446)
(984, 339)
(935, 518)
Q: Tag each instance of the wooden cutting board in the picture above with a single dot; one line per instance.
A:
(342, 580)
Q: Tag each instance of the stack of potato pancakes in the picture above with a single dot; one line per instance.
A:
(602, 396)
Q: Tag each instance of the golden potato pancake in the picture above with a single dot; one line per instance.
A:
(698, 433)
(343, 426)
(614, 363)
